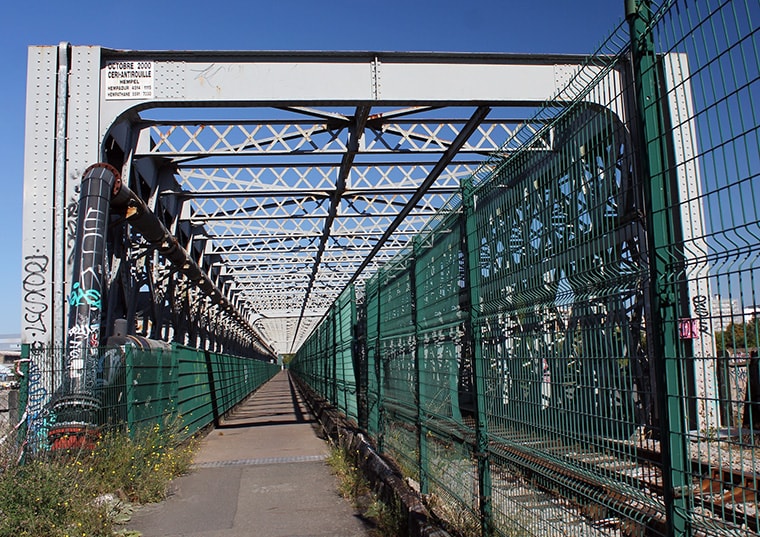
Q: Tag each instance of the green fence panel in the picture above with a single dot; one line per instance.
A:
(234, 379)
(193, 390)
(444, 377)
(152, 386)
(216, 371)
(707, 77)
(226, 373)
(398, 336)
(326, 360)
(344, 353)
(140, 388)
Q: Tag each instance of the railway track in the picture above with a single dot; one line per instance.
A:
(619, 486)
(727, 498)
(728, 493)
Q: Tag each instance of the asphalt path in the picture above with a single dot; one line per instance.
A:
(261, 473)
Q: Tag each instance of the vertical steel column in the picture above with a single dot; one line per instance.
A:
(661, 201)
(59, 204)
(473, 345)
(422, 452)
(38, 280)
(76, 405)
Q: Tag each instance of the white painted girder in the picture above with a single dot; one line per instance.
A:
(183, 141)
(237, 177)
(365, 204)
(301, 226)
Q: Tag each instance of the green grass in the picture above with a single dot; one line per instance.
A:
(86, 493)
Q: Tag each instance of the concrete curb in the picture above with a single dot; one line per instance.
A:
(387, 481)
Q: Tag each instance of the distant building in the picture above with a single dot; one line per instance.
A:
(751, 313)
(10, 347)
(724, 311)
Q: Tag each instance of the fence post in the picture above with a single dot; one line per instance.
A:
(175, 362)
(212, 388)
(663, 244)
(422, 455)
(472, 345)
(332, 352)
(23, 400)
(361, 363)
(129, 370)
(379, 377)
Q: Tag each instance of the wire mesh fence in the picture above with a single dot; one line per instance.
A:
(133, 388)
(571, 347)
(328, 356)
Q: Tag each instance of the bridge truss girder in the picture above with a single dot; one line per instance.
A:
(285, 176)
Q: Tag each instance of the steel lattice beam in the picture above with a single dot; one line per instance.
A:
(285, 176)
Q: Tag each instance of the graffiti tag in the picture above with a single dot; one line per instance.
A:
(34, 284)
(80, 296)
(39, 418)
(108, 367)
(72, 210)
(83, 340)
(700, 308)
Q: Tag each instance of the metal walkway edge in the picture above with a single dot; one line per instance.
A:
(260, 473)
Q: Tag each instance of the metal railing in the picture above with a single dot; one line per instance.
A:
(571, 346)
(133, 388)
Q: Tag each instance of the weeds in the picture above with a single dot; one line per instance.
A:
(455, 516)
(351, 483)
(49, 498)
(139, 467)
(387, 518)
(84, 493)
(353, 486)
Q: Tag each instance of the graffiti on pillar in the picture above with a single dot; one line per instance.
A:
(108, 367)
(80, 361)
(700, 308)
(72, 213)
(688, 328)
(34, 284)
(80, 296)
(39, 419)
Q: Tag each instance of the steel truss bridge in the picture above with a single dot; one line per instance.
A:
(556, 252)
(270, 180)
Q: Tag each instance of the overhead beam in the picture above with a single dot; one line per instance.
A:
(266, 193)
(460, 140)
(355, 135)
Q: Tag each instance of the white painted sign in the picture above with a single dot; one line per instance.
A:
(129, 80)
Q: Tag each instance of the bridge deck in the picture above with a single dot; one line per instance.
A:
(261, 472)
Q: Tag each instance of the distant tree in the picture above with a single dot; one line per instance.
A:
(738, 336)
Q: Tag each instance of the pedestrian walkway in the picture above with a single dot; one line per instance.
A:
(261, 473)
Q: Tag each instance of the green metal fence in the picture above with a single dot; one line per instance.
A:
(571, 347)
(327, 358)
(138, 388)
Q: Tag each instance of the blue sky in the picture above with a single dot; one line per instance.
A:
(537, 26)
